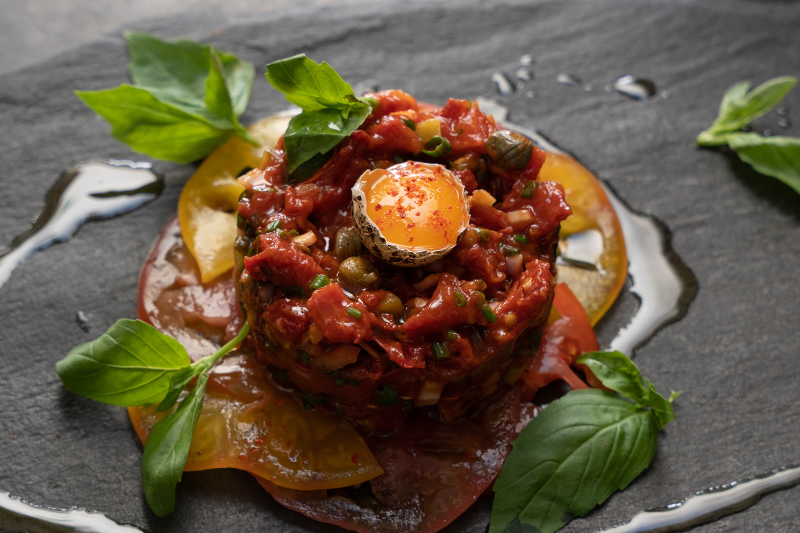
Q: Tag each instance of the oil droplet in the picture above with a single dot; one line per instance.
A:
(24, 516)
(782, 111)
(530, 94)
(784, 123)
(588, 87)
(505, 87)
(83, 321)
(524, 75)
(568, 79)
(711, 504)
(635, 88)
(91, 191)
(526, 60)
(767, 133)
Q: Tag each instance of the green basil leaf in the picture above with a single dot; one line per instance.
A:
(616, 372)
(177, 382)
(130, 364)
(218, 98)
(739, 107)
(149, 126)
(167, 448)
(662, 407)
(317, 132)
(777, 156)
(572, 457)
(308, 85)
(239, 77)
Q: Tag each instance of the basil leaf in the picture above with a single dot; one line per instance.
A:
(572, 457)
(308, 85)
(167, 448)
(616, 372)
(185, 101)
(621, 375)
(777, 156)
(157, 129)
(331, 112)
(739, 107)
(177, 382)
(130, 364)
(316, 132)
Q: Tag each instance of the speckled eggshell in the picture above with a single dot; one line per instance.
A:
(376, 243)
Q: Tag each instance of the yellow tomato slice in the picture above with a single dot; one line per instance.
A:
(592, 215)
(249, 424)
(208, 203)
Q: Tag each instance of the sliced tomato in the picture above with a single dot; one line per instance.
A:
(434, 472)
(597, 287)
(568, 335)
(209, 200)
(247, 422)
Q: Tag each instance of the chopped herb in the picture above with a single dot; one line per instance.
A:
(283, 235)
(271, 346)
(508, 250)
(437, 147)
(460, 299)
(387, 395)
(529, 189)
(441, 351)
(341, 382)
(353, 312)
(319, 281)
(488, 314)
(536, 341)
(310, 401)
(484, 234)
(272, 226)
(410, 124)
(522, 239)
(451, 335)
(294, 233)
(305, 357)
(398, 158)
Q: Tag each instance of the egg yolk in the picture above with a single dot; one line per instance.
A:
(418, 206)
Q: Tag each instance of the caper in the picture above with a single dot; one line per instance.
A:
(240, 248)
(358, 273)
(391, 304)
(509, 150)
(347, 243)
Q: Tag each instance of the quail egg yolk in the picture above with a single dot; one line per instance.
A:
(417, 206)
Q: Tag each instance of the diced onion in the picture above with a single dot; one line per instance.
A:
(306, 239)
(429, 394)
(481, 197)
(514, 265)
(341, 356)
(520, 217)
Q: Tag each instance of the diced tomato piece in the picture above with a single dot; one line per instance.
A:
(328, 308)
(281, 263)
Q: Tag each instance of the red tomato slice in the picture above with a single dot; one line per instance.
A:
(434, 472)
(568, 336)
(247, 422)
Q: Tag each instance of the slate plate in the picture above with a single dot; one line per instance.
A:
(734, 355)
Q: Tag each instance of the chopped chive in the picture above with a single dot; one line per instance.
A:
(319, 281)
(399, 158)
(451, 335)
(484, 234)
(441, 351)
(353, 312)
(460, 299)
(239, 221)
(294, 233)
(310, 401)
(488, 314)
(279, 374)
(305, 357)
(282, 234)
(522, 239)
(387, 395)
(481, 297)
(341, 382)
(272, 226)
(437, 147)
(410, 124)
(529, 189)
(508, 250)
(271, 346)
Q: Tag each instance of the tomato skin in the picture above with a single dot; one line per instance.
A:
(564, 340)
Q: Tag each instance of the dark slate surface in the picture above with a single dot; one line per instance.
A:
(734, 356)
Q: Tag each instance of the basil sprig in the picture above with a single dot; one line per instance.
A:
(331, 111)
(184, 102)
(580, 449)
(135, 364)
(776, 156)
